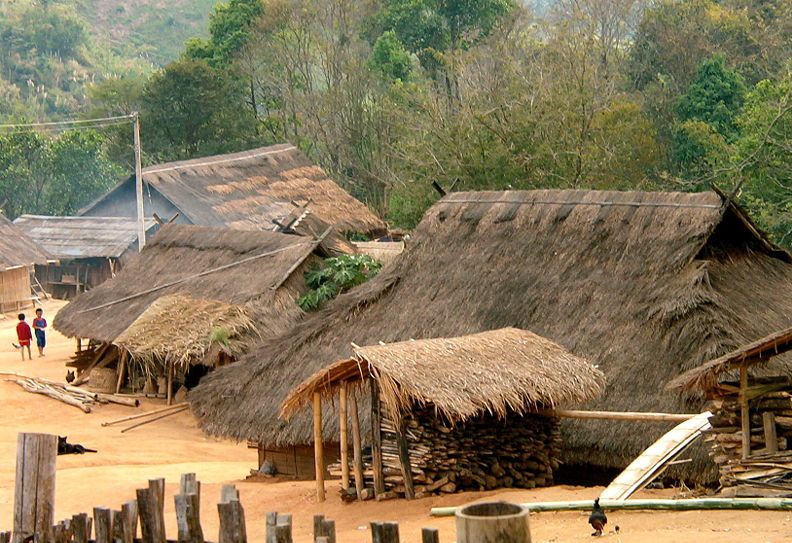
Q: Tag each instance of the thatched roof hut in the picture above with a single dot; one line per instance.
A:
(250, 190)
(645, 285)
(18, 254)
(457, 375)
(238, 268)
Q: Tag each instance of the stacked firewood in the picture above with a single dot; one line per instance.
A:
(68, 394)
(768, 468)
(480, 454)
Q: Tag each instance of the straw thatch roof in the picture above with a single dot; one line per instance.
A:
(760, 351)
(230, 266)
(645, 285)
(82, 237)
(249, 190)
(180, 329)
(458, 375)
(384, 251)
(17, 249)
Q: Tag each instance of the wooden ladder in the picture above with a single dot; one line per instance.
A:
(37, 290)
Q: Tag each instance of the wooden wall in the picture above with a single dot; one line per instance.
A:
(296, 462)
(15, 293)
(65, 280)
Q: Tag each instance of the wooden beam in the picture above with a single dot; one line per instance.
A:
(404, 459)
(121, 369)
(357, 446)
(318, 446)
(342, 423)
(616, 415)
(376, 439)
(771, 439)
(744, 413)
(299, 261)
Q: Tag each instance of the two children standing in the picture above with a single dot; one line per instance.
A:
(25, 336)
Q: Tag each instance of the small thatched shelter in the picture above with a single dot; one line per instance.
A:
(88, 250)
(751, 436)
(250, 190)
(462, 412)
(18, 255)
(645, 285)
(194, 295)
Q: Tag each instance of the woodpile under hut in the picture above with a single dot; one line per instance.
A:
(751, 435)
(451, 414)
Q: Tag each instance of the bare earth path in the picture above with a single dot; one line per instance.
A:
(175, 445)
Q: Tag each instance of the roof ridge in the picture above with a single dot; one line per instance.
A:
(191, 164)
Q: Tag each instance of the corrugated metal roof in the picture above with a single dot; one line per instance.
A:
(81, 237)
(17, 249)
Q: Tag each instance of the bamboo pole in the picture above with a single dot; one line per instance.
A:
(616, 415)
(376, 439)
(121, 370)
(357, 446)
(146, 414)
(318, 446)
(745, 422)
(342, 423)
(168, 414)
(695, 504)
(169, 384)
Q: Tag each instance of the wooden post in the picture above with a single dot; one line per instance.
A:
(34, 490)
(317, 526)
(376, 439)
(283, 533)
(771, 439)
(318, 446)
(357, 446)
(342, 424)
(404, 458)
(390, 532)
(103, 520)
(169, 384)
(745, 413)
(189, 484)
(376, 532)
(152, 523)
(430, 535)
(80, 529)
(329, 530)
(121, 369)
(117, 530)
(232, 522)
(129, 516)
(188, 520)
(272, 521)
(229, 493)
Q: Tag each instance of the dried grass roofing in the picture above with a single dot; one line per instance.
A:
(250, 262)
(82, 237)
(760, 351)
(178, 328)
(644, 285)
(251, 189)
(17, 249)
(498, 372)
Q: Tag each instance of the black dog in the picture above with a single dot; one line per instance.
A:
(71, 448)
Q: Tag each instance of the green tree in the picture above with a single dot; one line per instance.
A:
(390, 59)
(230, 27)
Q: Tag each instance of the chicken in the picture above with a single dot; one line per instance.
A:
(69, 376)
(597, 518)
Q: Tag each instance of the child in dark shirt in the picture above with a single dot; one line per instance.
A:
(39, 326)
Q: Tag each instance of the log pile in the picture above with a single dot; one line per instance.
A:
(768, 469)
(70, 395)
(482, 454)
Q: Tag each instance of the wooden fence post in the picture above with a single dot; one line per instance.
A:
(430, 535)
(272, 521)
(81, 531)
(129, 514)
(103, 520)
(188, 520)
(34, 492)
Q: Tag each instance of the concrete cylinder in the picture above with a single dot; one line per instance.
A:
(495, 522)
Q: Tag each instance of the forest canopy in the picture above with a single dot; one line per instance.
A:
(392, 95)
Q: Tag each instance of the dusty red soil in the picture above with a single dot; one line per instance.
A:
(175, 445)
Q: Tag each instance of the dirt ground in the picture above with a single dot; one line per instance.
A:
(175, 445)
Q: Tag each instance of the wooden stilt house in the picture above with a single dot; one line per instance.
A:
(751, 401)
(449, 414)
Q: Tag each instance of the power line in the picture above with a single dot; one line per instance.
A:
(66, 124)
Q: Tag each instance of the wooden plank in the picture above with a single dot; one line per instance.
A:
(745, 416)
(318, 446)
(357, 446)
(34, 487)
(404, 460)
(651, 462)
(342, 423)
(771, 439)
(376, 439)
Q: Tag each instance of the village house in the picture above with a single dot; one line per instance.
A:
(18, 256)
(643, 285)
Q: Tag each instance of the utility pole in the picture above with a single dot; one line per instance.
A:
(141, 220)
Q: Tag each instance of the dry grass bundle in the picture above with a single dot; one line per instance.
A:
(181, 330)
(495, 372)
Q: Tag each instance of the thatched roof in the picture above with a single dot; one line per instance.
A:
(460, 376)
(644, 285)
(82, 237)
(706, 376)
(231, 266)
(17, 249)
(181, 329)
(251, 189)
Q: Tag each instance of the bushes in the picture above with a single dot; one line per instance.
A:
(334, 276)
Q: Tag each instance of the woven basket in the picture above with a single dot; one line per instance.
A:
(103, 380)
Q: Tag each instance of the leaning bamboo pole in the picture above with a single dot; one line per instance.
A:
(696, 504)
(617, 415)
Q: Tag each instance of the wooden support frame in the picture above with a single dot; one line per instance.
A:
(376, 438)
(770, 435)
(344, 445)
(404, 459)
(357, 446)
(318, 446)
(745, 422)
